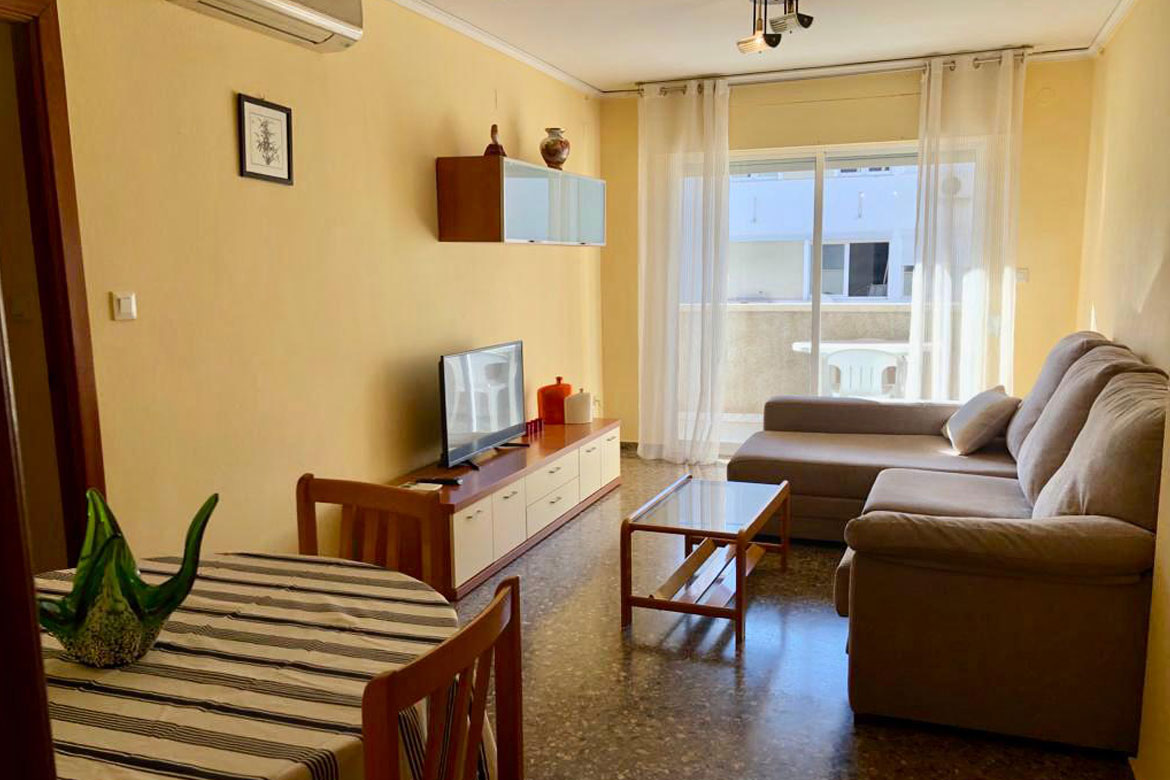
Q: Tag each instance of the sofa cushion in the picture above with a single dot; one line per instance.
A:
(1066, 411)
(980, 420)
(845, 465)
(1077, 546)
(946, 494)
(1115, 465)
(1066, 352)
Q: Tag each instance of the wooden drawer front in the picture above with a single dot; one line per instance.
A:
(508, 518)
(611, 455)
(551, 506)
(589, 479)
(471, 540)
(551, 475)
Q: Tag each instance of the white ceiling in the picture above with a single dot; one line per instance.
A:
(610, 44)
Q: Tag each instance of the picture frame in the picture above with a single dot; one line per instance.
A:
(265, 139)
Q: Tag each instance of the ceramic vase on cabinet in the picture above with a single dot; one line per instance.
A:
(579, 408)
(555, 147)
(550, 402)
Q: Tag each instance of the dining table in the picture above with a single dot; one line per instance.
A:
(258, 674)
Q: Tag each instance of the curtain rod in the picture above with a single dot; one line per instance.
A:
(851, 69)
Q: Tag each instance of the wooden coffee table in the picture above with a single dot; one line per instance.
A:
(722, 519)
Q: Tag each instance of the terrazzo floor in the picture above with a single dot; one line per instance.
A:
(673, 699)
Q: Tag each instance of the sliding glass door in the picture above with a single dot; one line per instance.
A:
(867, 273)
(820, 277)
(770, 282)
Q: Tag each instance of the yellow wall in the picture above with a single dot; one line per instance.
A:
(1125, 278)
(292, 329)
(1125, 281)
(842, 110)
(1053, 170)
(619, 263)
(868, 109)
(26, 338)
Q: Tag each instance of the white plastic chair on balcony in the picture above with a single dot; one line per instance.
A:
(866, 373)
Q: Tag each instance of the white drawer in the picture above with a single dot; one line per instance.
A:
(551, 475)
(471, 540)
(509, 524)
(551, 506)
(589, 478)
(611, 456)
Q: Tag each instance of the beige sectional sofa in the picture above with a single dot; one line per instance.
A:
(1008, 590)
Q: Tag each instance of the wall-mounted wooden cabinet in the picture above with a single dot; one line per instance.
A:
(504, 200)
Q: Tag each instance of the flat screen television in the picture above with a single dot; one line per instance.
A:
(482, 392)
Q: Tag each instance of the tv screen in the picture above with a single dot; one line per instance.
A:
(483, 399)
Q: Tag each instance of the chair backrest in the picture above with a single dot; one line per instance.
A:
(862, 372)
(453, 679)
(380, 524)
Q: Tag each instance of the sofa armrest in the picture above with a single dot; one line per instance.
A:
(812, 414)
(1079, 546)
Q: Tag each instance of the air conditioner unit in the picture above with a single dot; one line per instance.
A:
(321, 25)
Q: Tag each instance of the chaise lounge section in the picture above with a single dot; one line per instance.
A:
(831, 451)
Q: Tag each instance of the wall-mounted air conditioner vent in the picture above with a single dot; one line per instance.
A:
(322, 25)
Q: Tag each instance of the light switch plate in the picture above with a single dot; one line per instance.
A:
(124, 305)
(1023, 275)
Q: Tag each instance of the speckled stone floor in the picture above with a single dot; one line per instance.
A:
(673, 699)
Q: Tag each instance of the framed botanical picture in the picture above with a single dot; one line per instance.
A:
(265, 140)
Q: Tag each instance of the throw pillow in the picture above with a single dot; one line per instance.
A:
(980, 420)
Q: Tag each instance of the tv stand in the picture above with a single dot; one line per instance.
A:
(513, 501)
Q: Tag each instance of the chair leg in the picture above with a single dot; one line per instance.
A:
(509, 684)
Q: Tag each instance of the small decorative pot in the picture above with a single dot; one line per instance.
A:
(555, 147)
(550, 402)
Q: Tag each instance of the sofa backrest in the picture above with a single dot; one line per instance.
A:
(1062, 418)
(1115, 464)
(1066, 352)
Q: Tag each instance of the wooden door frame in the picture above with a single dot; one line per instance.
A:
(48, 159)
(26, 736)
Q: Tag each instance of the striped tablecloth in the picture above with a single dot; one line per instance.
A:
(259, 674)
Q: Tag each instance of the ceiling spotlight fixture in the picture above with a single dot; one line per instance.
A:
(759, 40)
(792, 20)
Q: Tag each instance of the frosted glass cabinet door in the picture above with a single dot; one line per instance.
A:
(591, 211)
(546, 206)
(528, 200)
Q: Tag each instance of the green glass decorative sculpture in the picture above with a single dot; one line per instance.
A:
(111, 617)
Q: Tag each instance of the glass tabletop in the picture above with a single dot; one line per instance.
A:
(707, 506)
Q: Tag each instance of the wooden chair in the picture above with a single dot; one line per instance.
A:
(454, 678)
(383, 525)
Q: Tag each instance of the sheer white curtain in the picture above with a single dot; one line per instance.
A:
(963, 304)
(683, 245)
